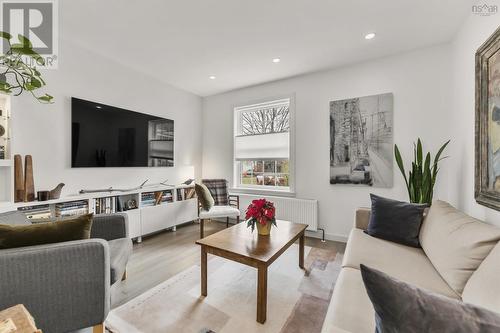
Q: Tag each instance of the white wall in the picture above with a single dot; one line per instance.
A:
(474, 32)
(45, 130)
(420, 83)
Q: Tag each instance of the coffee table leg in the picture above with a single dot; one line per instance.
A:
(301, 251)
(203, 271)
(262, 294)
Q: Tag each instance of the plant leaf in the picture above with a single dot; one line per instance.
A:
(46, 98)
(440, 151)
(419, 152)
(5, 35)
(24, 41)
(399, 161)
(35, 82)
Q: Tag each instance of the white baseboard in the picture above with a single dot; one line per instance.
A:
(314, 234)
(331, 237)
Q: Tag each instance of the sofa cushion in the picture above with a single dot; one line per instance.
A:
(219, 211)
(402, 307)
(13, 236)
(483, 283)
(350, 308)
(403, 262)
(456, 243)
(395, 221)
(119, 253)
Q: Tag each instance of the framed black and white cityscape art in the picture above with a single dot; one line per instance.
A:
(361, 141)
(487, 169)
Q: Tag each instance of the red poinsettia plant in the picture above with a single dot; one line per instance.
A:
(260, 211)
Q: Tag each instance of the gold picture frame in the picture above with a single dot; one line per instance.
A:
(487, 156)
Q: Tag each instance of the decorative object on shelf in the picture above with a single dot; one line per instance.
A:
(111, 189)
(190, 193)
(18, 179)
(43, 195)
(487, 168)
(18, 76)
(56, 192)
(29, 183)
(422, 177)
(4, 131)
(158, 197)
(361, 137)
(131, 204)
(263, 214)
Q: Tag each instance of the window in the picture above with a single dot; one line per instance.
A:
(262, 146)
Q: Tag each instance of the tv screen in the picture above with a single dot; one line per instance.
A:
(107, 136)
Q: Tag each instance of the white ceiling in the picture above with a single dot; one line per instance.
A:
(184, 42)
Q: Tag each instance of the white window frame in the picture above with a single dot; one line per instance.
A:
(263, 189)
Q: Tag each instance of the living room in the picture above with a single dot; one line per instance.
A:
(222, 166)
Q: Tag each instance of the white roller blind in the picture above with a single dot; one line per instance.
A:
(262, 146)
(255, 107)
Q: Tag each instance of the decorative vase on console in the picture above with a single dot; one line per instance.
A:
(261, 213)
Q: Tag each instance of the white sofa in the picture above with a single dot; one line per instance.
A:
(459, 258)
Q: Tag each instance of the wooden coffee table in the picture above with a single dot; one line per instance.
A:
(239, 244)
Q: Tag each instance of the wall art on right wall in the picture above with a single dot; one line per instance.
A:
(361, 141)
(487, 169)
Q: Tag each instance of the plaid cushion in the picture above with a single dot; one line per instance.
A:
(218, 189)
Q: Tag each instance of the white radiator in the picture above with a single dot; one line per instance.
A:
(303, 211)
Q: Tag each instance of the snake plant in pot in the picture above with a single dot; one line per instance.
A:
(422, 176)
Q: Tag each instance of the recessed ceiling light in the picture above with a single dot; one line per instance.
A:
(276, 60)
(212, 77)
(99, 107)
(371, 35)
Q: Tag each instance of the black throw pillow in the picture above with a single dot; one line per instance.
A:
(395, 221)
(401, 307)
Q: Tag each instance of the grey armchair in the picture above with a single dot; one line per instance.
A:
(66, 286)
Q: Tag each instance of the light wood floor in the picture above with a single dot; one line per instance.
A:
(168, 253)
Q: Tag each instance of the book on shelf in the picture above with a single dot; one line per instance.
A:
(72, 208)
(185, 193)
(105, 205)
(156, 198)
(37, 212)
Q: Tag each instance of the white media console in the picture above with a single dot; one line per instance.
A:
(149, 209)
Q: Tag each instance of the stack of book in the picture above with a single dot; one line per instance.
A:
(40, 212)
(105, 205)
(148, 199)
(72, 208)
(167, 196)
(156, 198)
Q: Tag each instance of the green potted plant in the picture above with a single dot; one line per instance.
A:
(16, 76)
(422, 176)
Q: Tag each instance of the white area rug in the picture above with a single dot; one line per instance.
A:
(297, 301)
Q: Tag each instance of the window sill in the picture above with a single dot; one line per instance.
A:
(256, 191)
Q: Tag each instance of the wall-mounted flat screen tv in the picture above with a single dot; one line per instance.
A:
(107, 136)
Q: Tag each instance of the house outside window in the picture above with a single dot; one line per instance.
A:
(262, 137)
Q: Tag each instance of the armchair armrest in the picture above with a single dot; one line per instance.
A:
(109, 226)
(362, 218)
(234, 200)
(65, 286)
